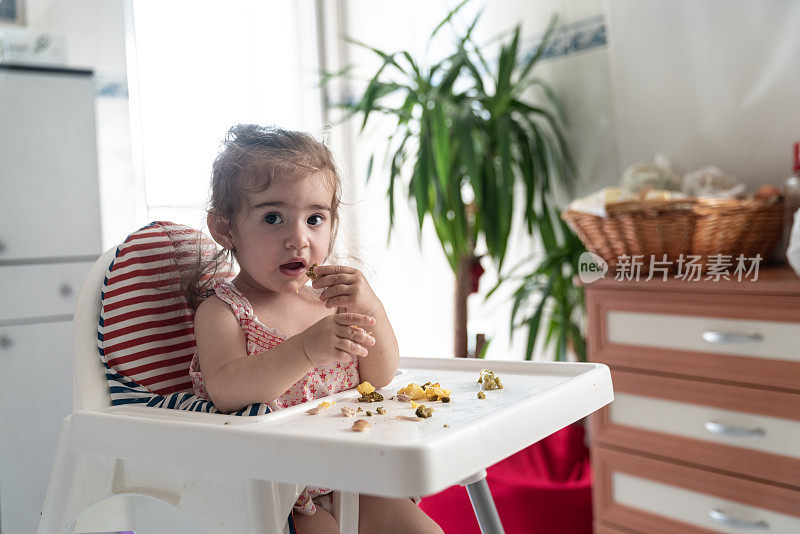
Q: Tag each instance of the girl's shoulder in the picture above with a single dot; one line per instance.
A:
(213, 315)
(212, 307)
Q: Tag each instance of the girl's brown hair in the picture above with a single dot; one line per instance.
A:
(251, 157)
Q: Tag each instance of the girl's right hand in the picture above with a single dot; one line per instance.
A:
(331, 339)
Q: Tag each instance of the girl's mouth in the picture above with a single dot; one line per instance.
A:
(294, 268)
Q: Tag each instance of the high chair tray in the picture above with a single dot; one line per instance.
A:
(393, 457)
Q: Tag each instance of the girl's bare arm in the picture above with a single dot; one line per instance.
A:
(380, 366)
(232, 378)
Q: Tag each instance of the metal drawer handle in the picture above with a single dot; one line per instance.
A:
(66, 290)
(728, 338)
(6, 342)
(723, 518)
(735, 431)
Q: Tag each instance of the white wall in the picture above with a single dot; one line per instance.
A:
(715, 82)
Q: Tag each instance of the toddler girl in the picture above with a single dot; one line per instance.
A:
(266, 336)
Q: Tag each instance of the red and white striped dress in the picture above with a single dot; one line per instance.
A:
(319, 382)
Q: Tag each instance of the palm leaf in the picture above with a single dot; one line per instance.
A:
(460, 122)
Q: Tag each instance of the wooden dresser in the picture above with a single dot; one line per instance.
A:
(704, 433)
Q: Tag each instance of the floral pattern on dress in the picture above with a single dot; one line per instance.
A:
(319, 382)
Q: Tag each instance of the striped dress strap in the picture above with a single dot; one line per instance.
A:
(230, 294)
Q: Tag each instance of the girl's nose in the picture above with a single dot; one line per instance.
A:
(297, 237)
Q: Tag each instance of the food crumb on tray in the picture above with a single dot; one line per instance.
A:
(426, 391)
(488, 380)
(368, 393)
(424, 411)
(365, 388)
(360, 426)
(322, 406)
(348, 412)
(408, 418)
(371, 397)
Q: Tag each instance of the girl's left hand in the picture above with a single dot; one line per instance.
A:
(345, 287)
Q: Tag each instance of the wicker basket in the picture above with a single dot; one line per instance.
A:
(633, 228)
(737, 226)
(681, 227)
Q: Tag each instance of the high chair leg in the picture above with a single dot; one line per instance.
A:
(78, 481)
(345, 510)
(90, 492)
(90, 482)
(55, 501)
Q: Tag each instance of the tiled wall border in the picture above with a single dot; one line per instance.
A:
(572, 38)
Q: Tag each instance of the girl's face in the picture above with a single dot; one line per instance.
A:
(282, 231)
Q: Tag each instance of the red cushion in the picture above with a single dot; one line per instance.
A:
(542, 489)
(146, 330)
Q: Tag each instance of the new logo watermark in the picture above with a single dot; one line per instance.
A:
(689, 268)
(591, 267)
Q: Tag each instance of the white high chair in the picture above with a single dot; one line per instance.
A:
(242, 475)
(143, 466)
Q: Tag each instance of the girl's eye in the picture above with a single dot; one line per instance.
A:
(319, 218)
(272, 218)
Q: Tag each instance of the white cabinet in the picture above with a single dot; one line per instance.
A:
(35, 395)
(48, 165)
(49, 237)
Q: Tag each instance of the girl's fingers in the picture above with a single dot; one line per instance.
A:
(335, 291)
(328, 270)
(357, 335)
(357, 319)
(331, 280)
(350, 347)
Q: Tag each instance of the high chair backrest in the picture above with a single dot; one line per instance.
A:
(90, 387)
(134, 335)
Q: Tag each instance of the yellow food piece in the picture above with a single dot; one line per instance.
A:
(427, 392)
(436, 391)
(415, 405)
(414, 391)
(318, 408)
(365, 388)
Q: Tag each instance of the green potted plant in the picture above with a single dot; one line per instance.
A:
(467, 135)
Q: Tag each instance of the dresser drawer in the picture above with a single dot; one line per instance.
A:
(748, 339)
(659, 497)
(746, 431)
(741, 337)
(602, 528)
(40, 290)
